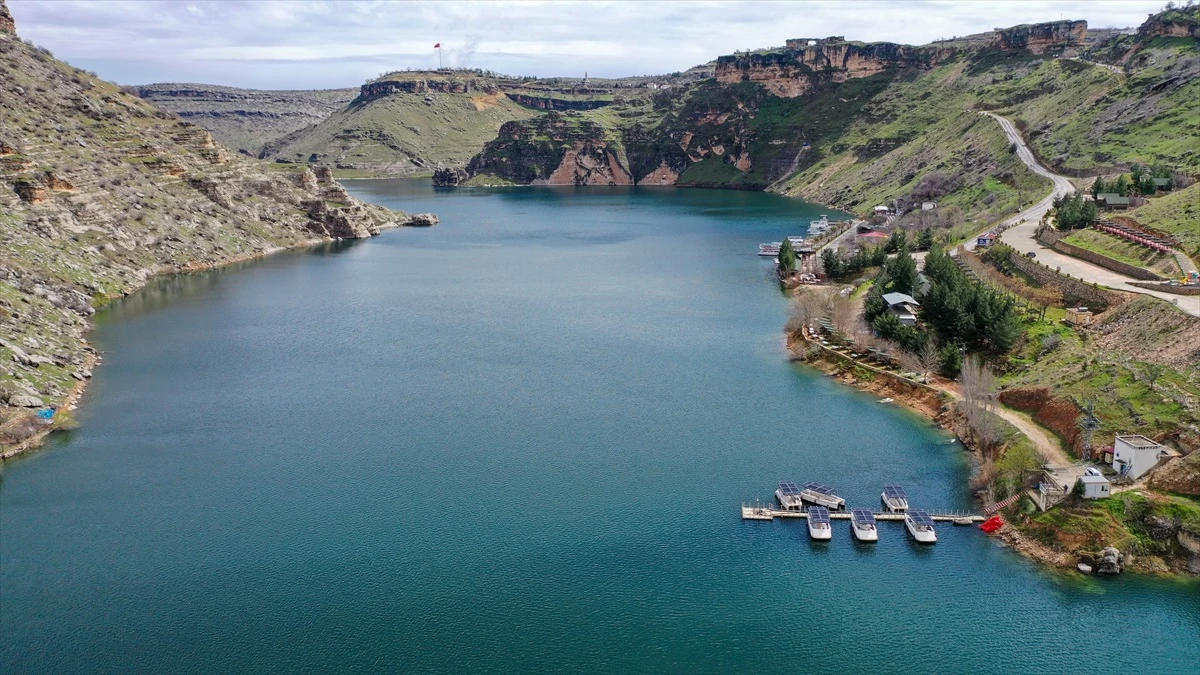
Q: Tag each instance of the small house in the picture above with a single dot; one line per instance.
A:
(985, 240)
(928, 206)
(1162, 184)
(1079, 316)
(1055, 484)
(903, 306)
(881, 210)
(1135, 455)
(1094, 485)
(1112, 201)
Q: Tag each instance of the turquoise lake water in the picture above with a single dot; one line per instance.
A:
(515, 442)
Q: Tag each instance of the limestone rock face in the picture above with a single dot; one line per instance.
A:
(448, 177)
(422, 220)
(1110, 561)
(1042, 38)
(1181, 476)
(6, 21)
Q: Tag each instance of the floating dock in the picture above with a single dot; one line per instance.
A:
(762, 512)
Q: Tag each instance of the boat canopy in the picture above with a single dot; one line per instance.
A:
(921, 519)
(818, 514)
(863, 516)
(893, 491)
(823, 489)
(787, 487)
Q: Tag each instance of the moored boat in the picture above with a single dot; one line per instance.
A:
(771, 249)
(822, 495)
(818, 523)
(862, 523)
(920, 526)
(789, 496)
(894, 498)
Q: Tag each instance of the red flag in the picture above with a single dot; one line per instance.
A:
(438, 46)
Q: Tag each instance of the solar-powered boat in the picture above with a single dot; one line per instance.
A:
(822, 495)
(862, 523)
(920, 526)
(894, 498)
(818, 523)
(789, 496)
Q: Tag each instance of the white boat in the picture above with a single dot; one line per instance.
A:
(789, 496)
(862, 523)
(771, 249)
(894, 498)
(822, 495)
(920, 526)
(798, 241)
(819, 226)
(818, 523)
(887, 400)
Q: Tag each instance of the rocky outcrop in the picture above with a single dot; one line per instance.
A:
(7, 25)
(419, 83)
(1181, 476)
(806, 62)
(422, 220)
(551, 102)
(1109, 562)
(1175, 22)
(554, 149)
(1055, 37)
(447, 177)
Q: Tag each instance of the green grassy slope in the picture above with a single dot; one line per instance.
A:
(403, 133)
(1178, 213)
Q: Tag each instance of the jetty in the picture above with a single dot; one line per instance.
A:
(765, 512)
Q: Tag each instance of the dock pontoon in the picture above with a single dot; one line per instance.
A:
(920, 526)
(822, 495)
(818, 523)
(789, 496)
(862, 523)
(894, 498)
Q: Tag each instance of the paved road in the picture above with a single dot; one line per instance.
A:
(1023, 225)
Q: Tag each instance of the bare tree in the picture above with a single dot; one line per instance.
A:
(809, 306)
(978, 383)
(928, 358)
(908, 361)
(844, 314)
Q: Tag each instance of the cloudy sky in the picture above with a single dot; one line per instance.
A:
(285, 44)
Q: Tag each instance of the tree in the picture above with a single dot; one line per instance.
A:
(897, 241)
(1152, 371)
(951, 361)
(902, 273)
(844, 314)
(928, 357)
(787, 256)
(925, 239)
(832, 263)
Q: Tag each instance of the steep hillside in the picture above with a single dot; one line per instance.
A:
(246, 119)
(854, 125)
(99, 190)
(404, 125)
(1177, 212)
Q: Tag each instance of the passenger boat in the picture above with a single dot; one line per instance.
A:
(798, 241)
(819, 226)
(822, 495)
(894, 498)
(771, 249)
(920, 526)
(862, 523)
(789, 496)
(818, 523)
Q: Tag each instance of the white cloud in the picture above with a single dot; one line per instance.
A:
(284, 44)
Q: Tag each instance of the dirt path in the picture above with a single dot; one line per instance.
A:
(1052, 452)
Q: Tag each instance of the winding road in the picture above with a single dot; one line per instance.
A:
(1020, 234)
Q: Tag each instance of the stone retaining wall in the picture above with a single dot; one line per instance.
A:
(1105, 261)
(1074, 290)
(1177, 290)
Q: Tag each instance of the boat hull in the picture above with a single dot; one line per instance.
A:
(894, 505)
(823, 500)
(790, 503)
(920, 536)
(820, 534)
(865, 535)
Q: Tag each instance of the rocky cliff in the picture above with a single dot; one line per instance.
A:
(99, 191)
(6, 21)
(807, 61)
(553, 149)
(1056, 37)
(1176, 22)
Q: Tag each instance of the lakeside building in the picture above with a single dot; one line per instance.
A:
(904, 306)
(1079, 316)
(1055, 484)
(1095, 486)
(1134, 455)
(986, 240)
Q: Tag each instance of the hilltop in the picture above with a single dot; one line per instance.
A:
(99, 191)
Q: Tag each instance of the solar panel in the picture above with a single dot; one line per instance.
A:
(921, 518)
(863, 515)
(818, 514)
(787, 487)
(895, 491)
(823, 489)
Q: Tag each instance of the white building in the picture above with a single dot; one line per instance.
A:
(1095, 486)
(1134, 455)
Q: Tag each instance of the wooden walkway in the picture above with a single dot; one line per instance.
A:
(763, 512)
